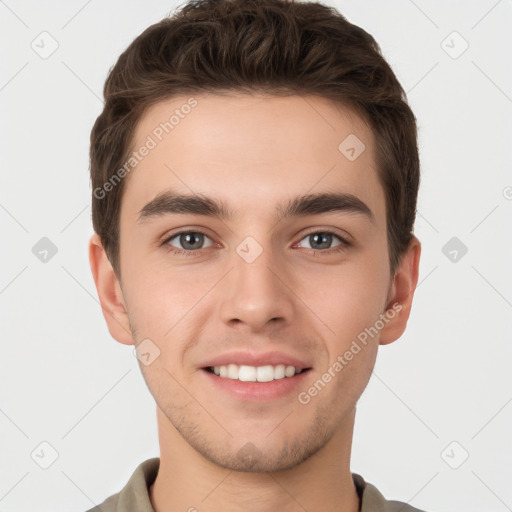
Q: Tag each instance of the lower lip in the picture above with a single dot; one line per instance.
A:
(257, 391)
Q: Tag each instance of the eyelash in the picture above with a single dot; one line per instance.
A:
(338, 248)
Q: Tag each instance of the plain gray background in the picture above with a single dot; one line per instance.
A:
(433, 427)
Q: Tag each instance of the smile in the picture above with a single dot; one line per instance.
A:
(247, 373)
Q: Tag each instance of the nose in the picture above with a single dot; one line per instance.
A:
(256, 294)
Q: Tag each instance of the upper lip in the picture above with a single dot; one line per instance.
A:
(256, 359)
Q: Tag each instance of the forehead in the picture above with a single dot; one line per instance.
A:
(250, 150)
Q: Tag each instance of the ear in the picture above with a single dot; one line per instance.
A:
(109, 292)
(401, 292)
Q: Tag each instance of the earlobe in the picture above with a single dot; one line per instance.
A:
(401, 294)
(109, 292)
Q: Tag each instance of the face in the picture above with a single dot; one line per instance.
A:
(255, 271)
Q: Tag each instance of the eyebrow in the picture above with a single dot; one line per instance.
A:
(169, 202)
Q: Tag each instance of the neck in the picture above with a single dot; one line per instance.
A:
(186, 481)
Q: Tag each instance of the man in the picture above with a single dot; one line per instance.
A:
(255, 173)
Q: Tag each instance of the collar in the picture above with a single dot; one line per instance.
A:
(135, 494)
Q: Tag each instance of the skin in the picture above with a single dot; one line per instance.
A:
(254, 152)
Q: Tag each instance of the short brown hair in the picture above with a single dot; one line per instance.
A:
(276, 46)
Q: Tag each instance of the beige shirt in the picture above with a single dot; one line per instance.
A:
(134, 497)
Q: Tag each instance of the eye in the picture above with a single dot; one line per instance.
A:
(323, 240)
(188, 241)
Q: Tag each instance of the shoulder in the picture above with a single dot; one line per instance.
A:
(372, 499)
(399, 506)
(109, 505)
(135, 494)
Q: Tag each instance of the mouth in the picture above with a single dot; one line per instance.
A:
(256, 384)
(259, 374)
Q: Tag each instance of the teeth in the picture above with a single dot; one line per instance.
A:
(255, 373)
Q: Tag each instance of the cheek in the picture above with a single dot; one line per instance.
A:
(346, 298)
(163, 304)
(356, 368)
